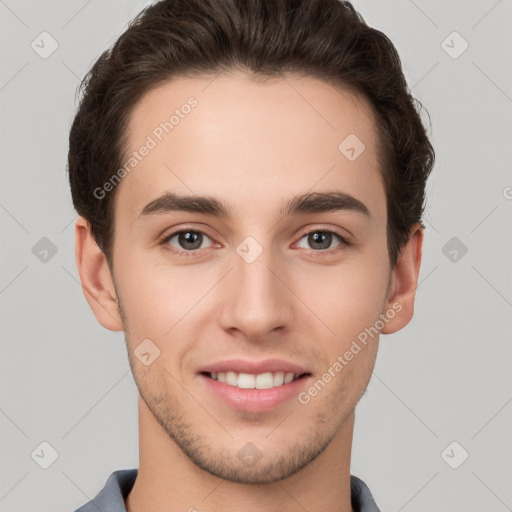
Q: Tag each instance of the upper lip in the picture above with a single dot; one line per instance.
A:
(254, 367)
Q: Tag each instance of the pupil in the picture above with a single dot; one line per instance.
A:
(190, 237)
(321, 237)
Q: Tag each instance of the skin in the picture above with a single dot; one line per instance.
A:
(253, 145)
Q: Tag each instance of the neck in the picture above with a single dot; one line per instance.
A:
(168, 480)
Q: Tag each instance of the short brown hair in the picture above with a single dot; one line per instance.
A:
(324, 39)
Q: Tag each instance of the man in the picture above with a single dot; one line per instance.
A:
(250, 181)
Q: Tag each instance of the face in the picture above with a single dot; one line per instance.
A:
(244, 280)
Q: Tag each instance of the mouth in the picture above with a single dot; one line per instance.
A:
(254, 385)
(265, 380)
(254, 392)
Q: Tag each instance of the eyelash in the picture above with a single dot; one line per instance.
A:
(344, 242)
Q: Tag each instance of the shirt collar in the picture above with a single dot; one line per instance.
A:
(119, 484)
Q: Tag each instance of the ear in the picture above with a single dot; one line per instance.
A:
(95, 277)
(403, 283)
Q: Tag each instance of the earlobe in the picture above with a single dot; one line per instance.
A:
(95, 277)
(404, 280)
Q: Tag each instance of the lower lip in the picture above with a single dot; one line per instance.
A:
(255, 400)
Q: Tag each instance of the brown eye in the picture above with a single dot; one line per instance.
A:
(190, 240)
(321, 240)
(186, 240)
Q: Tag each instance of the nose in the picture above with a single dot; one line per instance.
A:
(257, 301)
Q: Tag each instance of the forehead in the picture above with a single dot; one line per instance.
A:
(239, 139)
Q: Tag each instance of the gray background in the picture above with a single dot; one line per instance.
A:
(445, 377)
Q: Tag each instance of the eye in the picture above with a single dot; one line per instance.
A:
(322, 239)
(188, 240)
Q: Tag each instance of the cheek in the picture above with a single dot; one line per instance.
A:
(351, 300)
(154, 298)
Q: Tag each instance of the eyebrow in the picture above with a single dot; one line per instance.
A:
(314, 202)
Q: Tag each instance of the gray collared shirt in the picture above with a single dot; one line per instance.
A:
(119, 484)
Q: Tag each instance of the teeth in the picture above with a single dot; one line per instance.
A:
(288, 378)
(279, 378)
(231, 379)
(265, 380)
(246, 381)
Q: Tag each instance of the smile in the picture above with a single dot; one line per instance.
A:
(266, 380)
